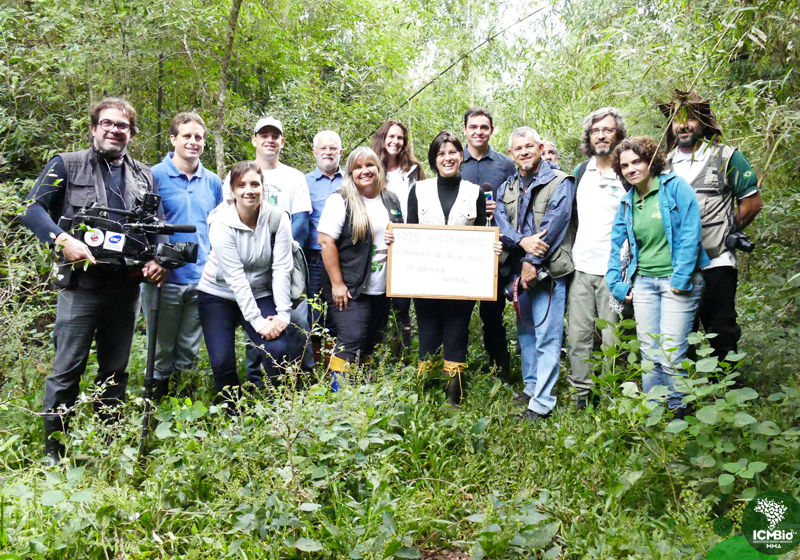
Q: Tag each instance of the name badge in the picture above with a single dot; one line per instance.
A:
(114, 242)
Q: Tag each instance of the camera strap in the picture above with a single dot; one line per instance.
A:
(516, 300)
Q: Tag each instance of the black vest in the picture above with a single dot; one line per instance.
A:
(355, 259)
(83, 187)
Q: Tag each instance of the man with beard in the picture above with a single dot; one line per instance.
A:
(719, 175)
(598, 195)
(98, 299)
(325, 180)
(534, 211)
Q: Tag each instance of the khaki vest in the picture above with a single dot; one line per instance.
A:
(560, 262)
(714, 197)
(429, 206)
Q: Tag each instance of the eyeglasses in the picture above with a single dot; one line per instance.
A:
(108, 126)
(606, 131)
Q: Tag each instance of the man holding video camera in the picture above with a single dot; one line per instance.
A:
(534, 213)
(98, 300)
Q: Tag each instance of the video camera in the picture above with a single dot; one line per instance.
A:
(126, 243)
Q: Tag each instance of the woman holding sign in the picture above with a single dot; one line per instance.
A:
(354, 241)
(446, 200)
(393, 145)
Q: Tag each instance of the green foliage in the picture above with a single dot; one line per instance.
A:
(384, 469)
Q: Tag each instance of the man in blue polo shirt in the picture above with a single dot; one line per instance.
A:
(484, 165)
(189, 193)
(325, 180)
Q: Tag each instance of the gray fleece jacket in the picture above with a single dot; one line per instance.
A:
(241, 266)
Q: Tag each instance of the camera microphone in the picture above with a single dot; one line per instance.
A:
(182, 228)
(487, 190)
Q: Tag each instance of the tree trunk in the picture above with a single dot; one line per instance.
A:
(222, 93)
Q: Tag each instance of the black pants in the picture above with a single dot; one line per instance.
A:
(360, 326)
(494, 331)
(220, 318)
(717, 311)
(443, 322)
(402, 314)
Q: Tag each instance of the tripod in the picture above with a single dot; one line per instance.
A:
(149, 380)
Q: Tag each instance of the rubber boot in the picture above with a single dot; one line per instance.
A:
(454, 388)
(504, 371)
(405, 337)
(160, 389)
(338, 366)
(423, 368)
(53, 450)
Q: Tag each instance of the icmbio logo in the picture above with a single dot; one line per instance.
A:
(771, 523)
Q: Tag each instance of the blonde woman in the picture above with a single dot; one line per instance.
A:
(354, 241)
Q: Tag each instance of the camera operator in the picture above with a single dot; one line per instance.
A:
(534, 213)
(98, 300)
(718, 173)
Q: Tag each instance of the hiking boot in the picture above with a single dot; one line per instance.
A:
(54, 450)
(522, 399)
(531, 416)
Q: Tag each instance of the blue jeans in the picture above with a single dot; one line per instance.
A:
(219, 318)
(179, 331)
(663, 323)
(541, 347)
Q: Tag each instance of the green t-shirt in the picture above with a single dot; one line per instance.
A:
(741, 178)
(655, 258)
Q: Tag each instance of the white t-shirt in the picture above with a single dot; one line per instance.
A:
(397, 182)
(598, 199)
(331, 222)
(284, 187)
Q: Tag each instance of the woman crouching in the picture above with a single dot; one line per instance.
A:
(246, 280)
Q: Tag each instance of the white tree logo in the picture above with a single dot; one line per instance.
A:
(774, 511)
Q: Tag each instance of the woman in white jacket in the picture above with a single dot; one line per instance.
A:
(246, 280)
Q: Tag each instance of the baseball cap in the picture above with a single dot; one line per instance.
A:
(268, 121)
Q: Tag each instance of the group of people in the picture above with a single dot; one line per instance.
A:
(628, 226)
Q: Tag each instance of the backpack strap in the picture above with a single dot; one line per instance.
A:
(581, 170)
(274, 221)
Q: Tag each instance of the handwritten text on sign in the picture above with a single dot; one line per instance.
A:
(447, 262)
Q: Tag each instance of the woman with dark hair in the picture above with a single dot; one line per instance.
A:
(446, 200)
(393, 145)
(660, 220)
(246, 280)
(352, 234)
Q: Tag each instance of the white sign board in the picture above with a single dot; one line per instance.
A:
(442, 262)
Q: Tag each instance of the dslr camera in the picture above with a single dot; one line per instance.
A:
(126, 244)
(738, 240)
(542, 275)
